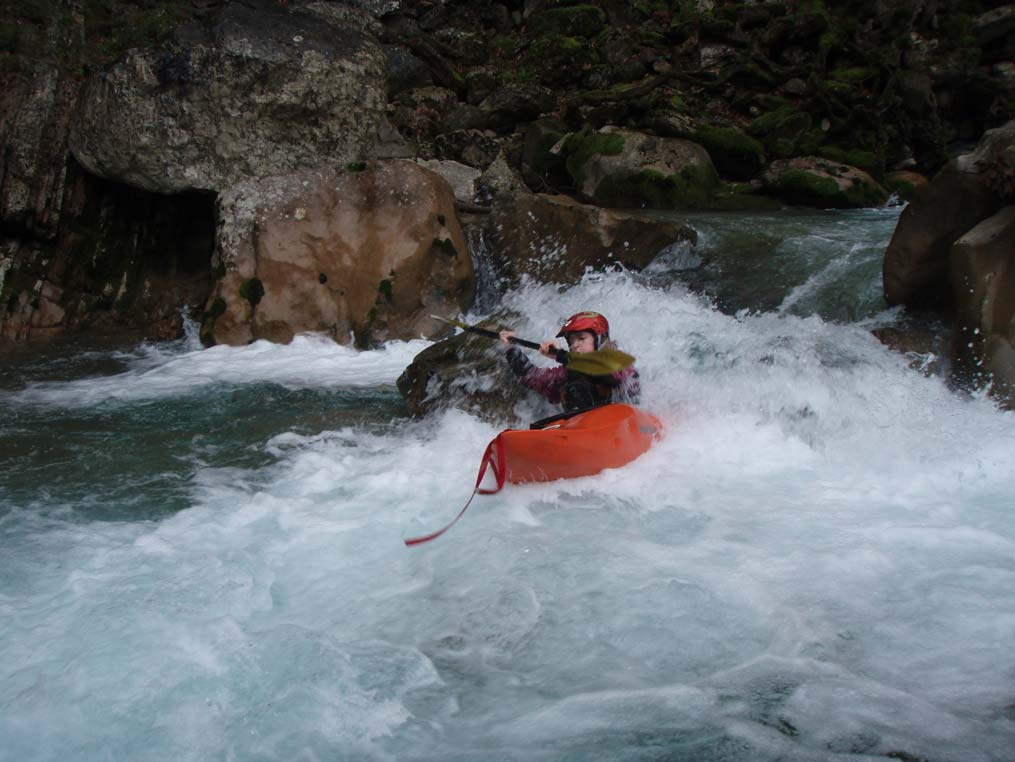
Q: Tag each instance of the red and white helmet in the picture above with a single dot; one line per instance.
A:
(587, 321)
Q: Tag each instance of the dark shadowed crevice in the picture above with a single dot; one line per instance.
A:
(122, 258)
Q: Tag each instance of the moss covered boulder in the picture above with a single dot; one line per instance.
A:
(785, 132)
(621, 168)
(813, 181)
(737, 156)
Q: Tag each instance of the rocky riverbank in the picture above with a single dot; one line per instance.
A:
(246, 159)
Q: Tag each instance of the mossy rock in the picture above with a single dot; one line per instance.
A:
(580, 20)
(558, 59)
(537, 156)
(691, 188)
(868, 161)
(830, 187)
(735, 155)
(781, 130)
(582, 146)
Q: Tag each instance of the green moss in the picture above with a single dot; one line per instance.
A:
(852, 75)
(384, 289)
(442, 220)
(559, 59)
(322, 279)
(868, 161)
(446, 246)
(734, 154)
(582, 146)
(252, 290)
(691, 188)
(799, 186)
(781, 130)
(581, 20)
(218, 307)
(905, 189)
(356, 166)
(805, 188)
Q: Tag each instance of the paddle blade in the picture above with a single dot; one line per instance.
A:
(602, 362)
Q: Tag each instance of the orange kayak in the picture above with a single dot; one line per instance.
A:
(563, 447)
(604, 437)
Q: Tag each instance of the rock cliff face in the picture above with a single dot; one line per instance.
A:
(270, 91)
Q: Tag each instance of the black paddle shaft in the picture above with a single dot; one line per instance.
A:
(561, 354)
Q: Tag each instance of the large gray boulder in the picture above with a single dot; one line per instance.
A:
(271, 91)
(361, 255)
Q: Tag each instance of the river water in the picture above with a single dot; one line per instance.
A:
(201, 550)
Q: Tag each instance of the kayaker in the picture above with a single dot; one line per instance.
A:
(583, 332)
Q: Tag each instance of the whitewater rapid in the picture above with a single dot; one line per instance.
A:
(817, 562)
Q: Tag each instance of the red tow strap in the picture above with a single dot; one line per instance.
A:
(494, 458)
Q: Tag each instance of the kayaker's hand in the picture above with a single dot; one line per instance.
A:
(549, 349)
(505, 337)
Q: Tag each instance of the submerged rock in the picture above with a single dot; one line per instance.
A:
(465, 371)
(363, 255)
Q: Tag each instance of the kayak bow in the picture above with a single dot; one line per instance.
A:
(583, 444)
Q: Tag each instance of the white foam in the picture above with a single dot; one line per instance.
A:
(308, 361)
(815, 563)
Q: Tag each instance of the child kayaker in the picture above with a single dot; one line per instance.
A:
(583, 332)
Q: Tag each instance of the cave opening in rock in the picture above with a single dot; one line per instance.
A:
(124, 257)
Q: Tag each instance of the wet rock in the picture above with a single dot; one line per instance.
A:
(958, 197)
(274, 91)
(364, 255)
(625, 169)
(817, 182)
(554, 238)
(465, 371)
(983, 283)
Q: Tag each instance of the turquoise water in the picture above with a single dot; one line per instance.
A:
(201, 550)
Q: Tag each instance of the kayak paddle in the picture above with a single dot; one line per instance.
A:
(602, 362)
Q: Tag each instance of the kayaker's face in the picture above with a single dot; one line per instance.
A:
(581, 341)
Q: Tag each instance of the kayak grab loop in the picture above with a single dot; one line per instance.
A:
(565, 446)
(493, 459)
